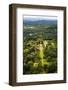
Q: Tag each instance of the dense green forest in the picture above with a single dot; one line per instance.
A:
(40, 48)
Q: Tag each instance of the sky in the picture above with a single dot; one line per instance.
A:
(35, 18)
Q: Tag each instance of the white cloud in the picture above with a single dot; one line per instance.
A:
(37, 17)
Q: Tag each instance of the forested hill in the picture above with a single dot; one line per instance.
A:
(37, 22)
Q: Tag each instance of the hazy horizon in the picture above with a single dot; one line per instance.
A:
(37, 18)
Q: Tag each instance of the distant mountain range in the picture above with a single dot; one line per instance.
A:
(46, 22)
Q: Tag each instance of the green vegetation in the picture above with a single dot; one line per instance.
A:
(40, 49)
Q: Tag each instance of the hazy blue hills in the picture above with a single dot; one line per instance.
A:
(46, 22)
